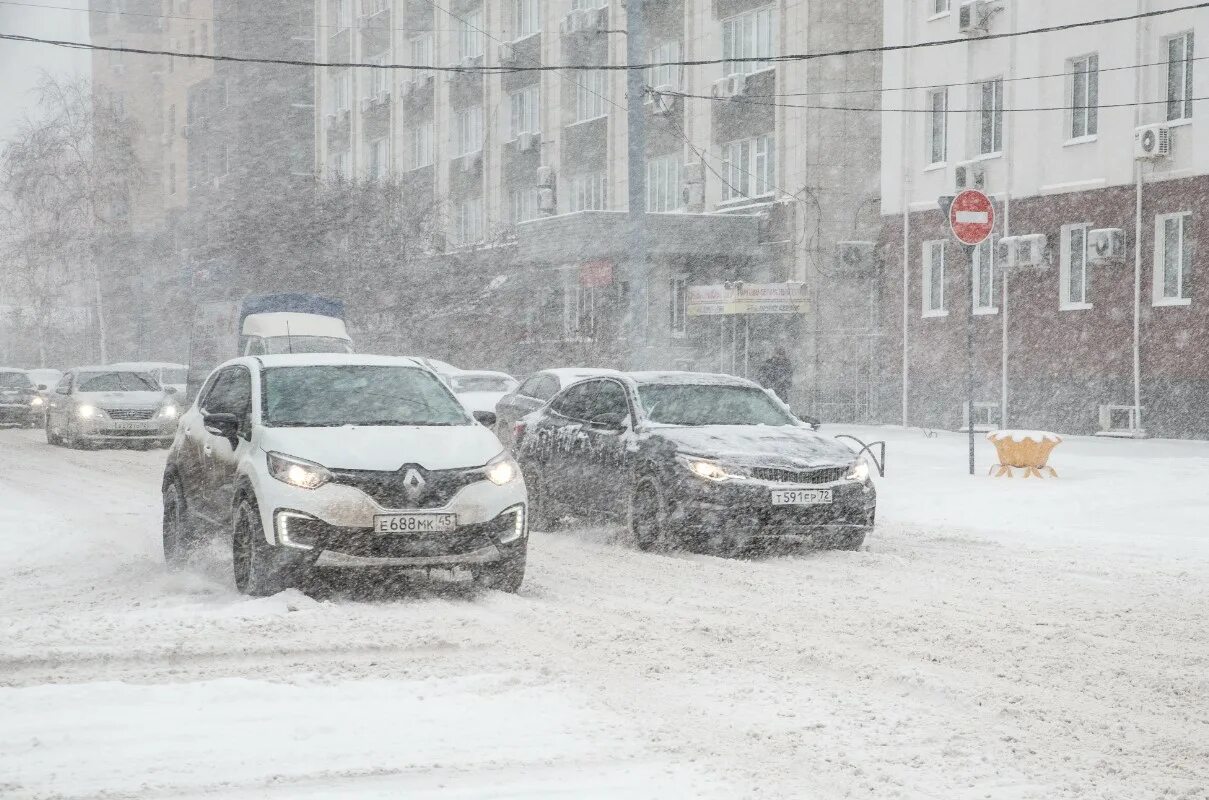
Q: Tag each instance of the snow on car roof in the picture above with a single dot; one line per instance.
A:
(107, 368)
(137, 365)
(482, 373)
(328, 359)
(689, 378)
(575, 373)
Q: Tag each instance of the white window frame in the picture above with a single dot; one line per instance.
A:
(1180, 75)
(586, 5)
(984, 290)
(1071, 259)
(750, 167)
(591, 95)
(678, 305)
(669, 74)
(1086, 127)
(378, 80)
(341, 16)
(526, 18)
(378, 161)
(467, 131)
(749, 41)
(525, 106)
(990, 117)
(340, 92)
(468, 222)
(941, 8)
(522, 204)
(421, 145)
(419, 49)
(936, 123)
(933, 273)
(589, 192)
(1183, 260)
(468, 37)
(579, 310)
(664, 193)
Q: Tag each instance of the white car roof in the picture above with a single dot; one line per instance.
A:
(482, 373)
(329, 359)
(141, 365)
(568, 375)
(108, 368)
(290, 323)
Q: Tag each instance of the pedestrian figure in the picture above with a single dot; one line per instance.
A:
(776, 373)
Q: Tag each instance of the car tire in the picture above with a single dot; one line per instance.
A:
(542, 517)
(258, 570)
(180, 533)
(505, 575)
(649, 523)
(73, 439)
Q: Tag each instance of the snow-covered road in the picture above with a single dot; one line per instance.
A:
(996, 639)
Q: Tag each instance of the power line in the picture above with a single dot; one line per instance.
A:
(794, 57)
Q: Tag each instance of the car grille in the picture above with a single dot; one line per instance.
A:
(134, 414)
(389, 490)
(827, 475)
(365, 543)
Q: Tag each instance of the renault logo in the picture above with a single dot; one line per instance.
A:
(413, 484)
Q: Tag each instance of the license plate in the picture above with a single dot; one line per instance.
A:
(414, 523)
(801, 497)
(129, 425)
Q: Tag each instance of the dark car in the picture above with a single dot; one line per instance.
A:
(535, 392)
(20, 401)
(709, 462)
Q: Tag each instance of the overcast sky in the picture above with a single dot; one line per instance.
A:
(21, 62)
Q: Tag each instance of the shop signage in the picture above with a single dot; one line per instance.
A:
(596, 274)
(746, 298)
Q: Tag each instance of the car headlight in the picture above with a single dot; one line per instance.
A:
(502, 470)
(86, 412)
(297, 472)
(169, 412)
(858, 472)
(711, 470)
(37, 402)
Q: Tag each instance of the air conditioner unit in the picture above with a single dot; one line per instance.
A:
(693, 195)
(970, 175)
(527, 141)
(857, 258)
(972, 17)
(469, 62)
(1152, 142)
(545, 200)
(507, 54)
(694, 172)
(545, 177)
(1022, 251)
(1119, 421)
(663, 100)
(1105, 245)
(732, 85)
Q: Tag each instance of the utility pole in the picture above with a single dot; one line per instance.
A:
(637, 268)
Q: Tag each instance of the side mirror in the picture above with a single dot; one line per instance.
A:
(611, 420)
(222, 424)
(486, 418)
(41, 387)
(171, 390)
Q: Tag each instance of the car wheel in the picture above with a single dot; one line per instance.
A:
(506, 575)
(181, 535)
(72, 438)
(649, 523)
(542, 516)
(258, 570)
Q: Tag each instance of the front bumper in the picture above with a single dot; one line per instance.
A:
(153, 430)
(22, 413)
(743, 512)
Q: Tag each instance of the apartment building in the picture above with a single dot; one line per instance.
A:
(749, 181)
(1088, 304)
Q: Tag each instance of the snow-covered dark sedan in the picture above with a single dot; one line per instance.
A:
(701, 461)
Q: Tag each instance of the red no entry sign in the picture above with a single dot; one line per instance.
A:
(972, 217)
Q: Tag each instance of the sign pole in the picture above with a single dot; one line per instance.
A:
(970, 354)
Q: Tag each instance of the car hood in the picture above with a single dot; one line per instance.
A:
(481, 401)
(386, 447)
(121, 399)
(780, 447)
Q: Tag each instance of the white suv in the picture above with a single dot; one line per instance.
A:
(334, 460)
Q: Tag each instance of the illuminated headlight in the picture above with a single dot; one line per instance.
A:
(37, 402)
(87, 412)
(502, 470)
(169, 412)
(517, 530)
(710, 470)
(297, 472)
(858, 472)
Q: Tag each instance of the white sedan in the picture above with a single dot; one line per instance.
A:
(480, 390)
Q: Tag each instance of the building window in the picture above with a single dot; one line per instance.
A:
(585, 5)
(588, 192)
(526, 18)
(663, 192)
(340, 92)
(937, 121)
(468, 222)
(984, 278)
(747, 44)
(341, 12)
(470, 35)
(522, 204)
(371, 7)
(1179, 77)
(524, 104)
(421, 145)
(420, 50)
(172, 178)
(379, 159)
(1172, 258)
(934, 279)
(591, 91)
(678, 289)
(991, 140)
(749, 166)
(579, 312)
(666, 74)
(1072, 271)
(940, 6)
(1084, 96)
(468, 131)
(378, 84)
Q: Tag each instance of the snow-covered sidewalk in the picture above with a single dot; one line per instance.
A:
(996, 639)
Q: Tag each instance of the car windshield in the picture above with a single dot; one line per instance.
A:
(175, 375)
(357, 394)
(116, 382)
(700, 404)
(277, 345)
(14, 380)
(482, 383)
